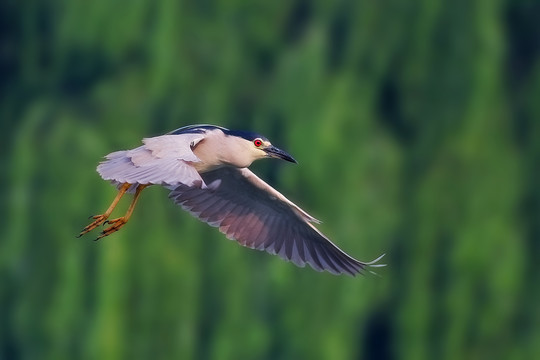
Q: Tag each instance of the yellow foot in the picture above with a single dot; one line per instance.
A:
(98, 220)
(116, 224)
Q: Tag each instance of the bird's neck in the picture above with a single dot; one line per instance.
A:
(216, 151)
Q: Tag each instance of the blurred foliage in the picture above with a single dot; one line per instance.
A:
(416, 128)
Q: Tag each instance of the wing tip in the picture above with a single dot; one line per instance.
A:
(355, 267)
(373, 263)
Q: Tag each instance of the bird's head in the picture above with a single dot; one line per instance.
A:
(255, 146)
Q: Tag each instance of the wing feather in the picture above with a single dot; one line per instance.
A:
(273, 244)
(246, 233)
(258, 230)
(237, 224)
(163, 160)
(300, 256)
(254, 214)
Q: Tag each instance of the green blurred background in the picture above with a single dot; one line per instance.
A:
(416, 126)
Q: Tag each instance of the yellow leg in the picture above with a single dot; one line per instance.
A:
(100, 219)
(118, 223)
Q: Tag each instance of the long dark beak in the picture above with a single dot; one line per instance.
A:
(274, 152)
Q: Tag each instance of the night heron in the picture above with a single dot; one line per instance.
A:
(206, 169)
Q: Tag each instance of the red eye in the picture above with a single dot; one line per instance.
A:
(257, 142)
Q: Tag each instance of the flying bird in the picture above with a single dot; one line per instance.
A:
(206, 169)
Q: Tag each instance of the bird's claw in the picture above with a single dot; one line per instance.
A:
(98, 220)
(116, 224)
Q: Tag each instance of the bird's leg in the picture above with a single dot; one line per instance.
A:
(118, 223)
(100, 219)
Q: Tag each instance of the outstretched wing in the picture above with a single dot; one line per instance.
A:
(163, 160)
(248, 210)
